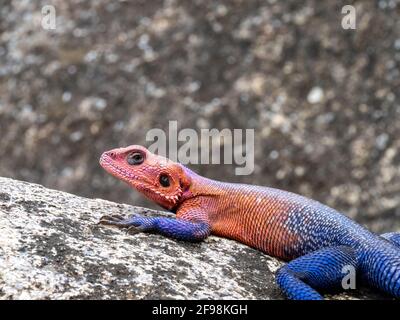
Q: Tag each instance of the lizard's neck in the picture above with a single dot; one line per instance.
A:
(201, 186)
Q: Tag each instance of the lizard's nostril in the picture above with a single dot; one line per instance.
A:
(112, 155)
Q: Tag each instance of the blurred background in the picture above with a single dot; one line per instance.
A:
(324, 102)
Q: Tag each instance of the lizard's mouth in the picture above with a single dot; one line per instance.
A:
(108, 164)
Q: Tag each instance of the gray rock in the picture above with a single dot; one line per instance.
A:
(51, 248)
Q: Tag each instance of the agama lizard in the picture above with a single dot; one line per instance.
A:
(317, 240)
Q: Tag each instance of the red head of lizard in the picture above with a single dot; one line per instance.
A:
(159, 179)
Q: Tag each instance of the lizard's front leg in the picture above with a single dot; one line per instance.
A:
(175, 228)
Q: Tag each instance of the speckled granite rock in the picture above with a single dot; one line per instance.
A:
(50, 248)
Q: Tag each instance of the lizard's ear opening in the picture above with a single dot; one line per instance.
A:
(184, 181)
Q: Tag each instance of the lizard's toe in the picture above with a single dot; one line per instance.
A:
(114, 221)
(134, 224)
(134, 230)
(113, 217)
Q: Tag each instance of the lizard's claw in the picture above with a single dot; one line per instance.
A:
(134, 230)
(133, 224)
(114, 217)
(115, 220)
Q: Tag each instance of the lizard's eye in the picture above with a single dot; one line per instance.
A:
(164, 180)
(135, 158)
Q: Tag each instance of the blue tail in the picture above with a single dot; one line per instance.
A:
(379, 264)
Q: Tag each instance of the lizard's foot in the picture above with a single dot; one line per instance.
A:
(133, 224)
(115, 220)
(134, 230)
(175, 228)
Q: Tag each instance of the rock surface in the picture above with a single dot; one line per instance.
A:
(50, 248)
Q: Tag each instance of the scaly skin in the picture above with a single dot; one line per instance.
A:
(316, 239)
